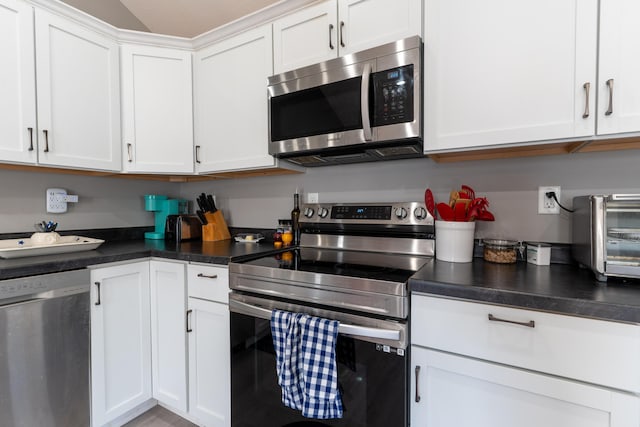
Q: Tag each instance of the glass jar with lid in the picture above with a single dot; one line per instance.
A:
(500, 251)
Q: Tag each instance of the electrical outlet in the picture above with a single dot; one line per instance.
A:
(57, 199)
(312, 197)
(547, 205)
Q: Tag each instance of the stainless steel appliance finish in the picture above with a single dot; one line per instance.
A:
(352, 256)
(352, 265)
(44, 350)
(362, 107)
(606, 234)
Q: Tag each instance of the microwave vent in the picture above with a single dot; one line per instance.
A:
(403, 150)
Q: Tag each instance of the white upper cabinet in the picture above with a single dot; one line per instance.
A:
(78, 95)
(17, 91)
(364, 24)
(157, 118)
(339, 27)
(501, 72)
(231, 110)
(619, 67)
(305, 37)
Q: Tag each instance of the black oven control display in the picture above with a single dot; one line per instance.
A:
(393, 96)
(361, 212)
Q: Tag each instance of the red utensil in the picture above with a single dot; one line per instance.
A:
(430, 203)
(445, 211)
(460, 211)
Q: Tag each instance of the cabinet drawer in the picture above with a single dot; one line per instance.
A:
(594, 351)
(208, 282)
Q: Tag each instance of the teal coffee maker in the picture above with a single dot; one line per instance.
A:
(162, 206)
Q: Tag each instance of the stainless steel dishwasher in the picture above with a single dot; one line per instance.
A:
(44, 350)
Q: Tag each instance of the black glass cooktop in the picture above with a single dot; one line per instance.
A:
(366, 265)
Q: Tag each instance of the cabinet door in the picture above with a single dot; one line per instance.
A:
(619, 72)
(231, 103)
(78, 95)
(500, 72)
(368, 23)
(209, 363)
(458, 391)
(120, 340)
(17, 91)
(305, 37)
(168, 333)
(157, 119)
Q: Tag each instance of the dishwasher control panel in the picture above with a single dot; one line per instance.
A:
(25, 288)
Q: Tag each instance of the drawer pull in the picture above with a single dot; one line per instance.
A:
(213, 276)
(529, 324)
(417, 392)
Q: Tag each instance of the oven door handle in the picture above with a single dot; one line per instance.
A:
(344, 328)
(364, 102)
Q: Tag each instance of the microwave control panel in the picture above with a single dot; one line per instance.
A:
(393, 95)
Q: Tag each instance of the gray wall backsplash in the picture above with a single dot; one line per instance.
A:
(511, 186)
(104, 202)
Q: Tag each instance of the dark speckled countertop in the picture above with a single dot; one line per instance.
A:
(207, 252)
(557, 288)
(560, 288)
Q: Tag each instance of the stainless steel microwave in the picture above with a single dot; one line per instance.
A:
(606, 234)
(361, 107)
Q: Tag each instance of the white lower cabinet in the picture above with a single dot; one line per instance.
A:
(209, 346)
(168, 333)
(153, 339)
(120, 340)
(459, 391)
(209, 363)
(476, 364)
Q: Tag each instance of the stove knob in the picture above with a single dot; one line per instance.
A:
(323, 212)
(308, 212)
(401, 213)
(420, 213)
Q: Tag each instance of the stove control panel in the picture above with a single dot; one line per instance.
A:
(398, 213)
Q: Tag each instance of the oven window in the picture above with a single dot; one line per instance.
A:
(372, 382)
(334, 107)
(623, 233)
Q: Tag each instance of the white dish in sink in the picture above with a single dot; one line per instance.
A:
(18, 248)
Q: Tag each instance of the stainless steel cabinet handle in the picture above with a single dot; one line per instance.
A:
(342, 34)
(30, 139)
(197, 154)
(189, 321)
(330, 41)
(586, 87)
(417, 398)
(98, 285)
(364, 102)
(46, 140)
(129, 147)
(610, 109)
(529, 324)
(213, 276)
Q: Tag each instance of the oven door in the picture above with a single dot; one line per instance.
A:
(372, 368)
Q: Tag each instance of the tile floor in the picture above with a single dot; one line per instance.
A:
(159, 417)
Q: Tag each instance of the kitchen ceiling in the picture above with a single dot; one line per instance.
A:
(188, 18)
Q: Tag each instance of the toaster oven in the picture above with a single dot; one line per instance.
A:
(606, 234)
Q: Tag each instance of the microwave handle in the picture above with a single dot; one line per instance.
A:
(364, 102)
(630, 197)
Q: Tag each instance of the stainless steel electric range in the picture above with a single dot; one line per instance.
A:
(352, 265)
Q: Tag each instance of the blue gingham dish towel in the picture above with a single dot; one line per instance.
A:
(286, 341)
(306, 363)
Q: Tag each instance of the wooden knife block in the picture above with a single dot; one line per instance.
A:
(216, 227)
